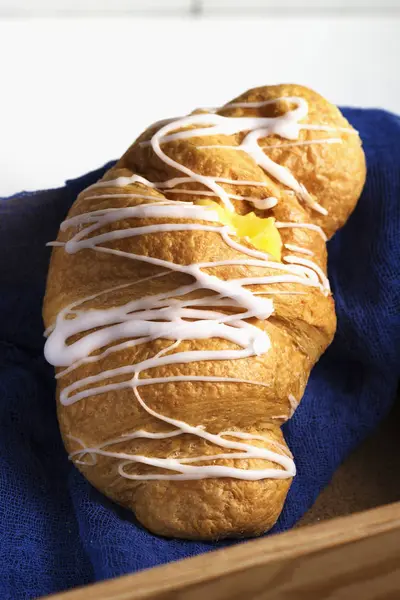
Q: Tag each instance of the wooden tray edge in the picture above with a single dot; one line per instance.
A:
(221, 573)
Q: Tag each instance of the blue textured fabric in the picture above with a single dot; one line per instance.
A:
(56, 531)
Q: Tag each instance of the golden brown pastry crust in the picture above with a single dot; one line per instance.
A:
(300, 329)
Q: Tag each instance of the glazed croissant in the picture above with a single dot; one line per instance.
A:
(187, 301)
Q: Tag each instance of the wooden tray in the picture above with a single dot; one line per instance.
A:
(350, 557)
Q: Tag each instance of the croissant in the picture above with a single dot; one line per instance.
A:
(187, 301)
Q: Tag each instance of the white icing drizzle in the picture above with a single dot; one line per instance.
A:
(174, 315)
(297, 260)
(295, 248)
(261, 203)
(299, 188)
(287, 126)
(279, 292)
(121, 182)
(293, 404)
(284, 145)
(323, 127)
(305, 143)
(170, 183)
(181, 468)
(312, 226)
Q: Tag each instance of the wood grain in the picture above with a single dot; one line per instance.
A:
(357, 556)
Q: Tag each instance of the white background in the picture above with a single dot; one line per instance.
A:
(77, 90)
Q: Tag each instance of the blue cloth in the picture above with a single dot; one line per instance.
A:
(56, 531)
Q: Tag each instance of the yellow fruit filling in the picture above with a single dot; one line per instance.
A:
(262, 233)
